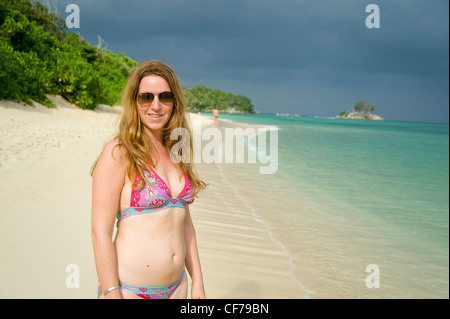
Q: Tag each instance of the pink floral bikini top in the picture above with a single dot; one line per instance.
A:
(155, 196)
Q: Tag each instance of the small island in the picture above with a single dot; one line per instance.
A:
(361, 111)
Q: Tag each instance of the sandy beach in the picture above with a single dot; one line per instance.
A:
(45, 202)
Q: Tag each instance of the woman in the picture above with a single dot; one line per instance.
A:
(136, 181)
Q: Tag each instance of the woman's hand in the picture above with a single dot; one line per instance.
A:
(197, 291)
(115, 294)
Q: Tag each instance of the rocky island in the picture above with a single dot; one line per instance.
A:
(361, 111)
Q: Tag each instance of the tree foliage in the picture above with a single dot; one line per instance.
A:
(33, 62)
(362, 107)
(38, 56)
(203, 98)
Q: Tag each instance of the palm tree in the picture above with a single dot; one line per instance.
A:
(360, 106)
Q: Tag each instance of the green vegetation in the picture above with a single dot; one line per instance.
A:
(361, 111)
(202, 98)
(360, 107)
(38, 56)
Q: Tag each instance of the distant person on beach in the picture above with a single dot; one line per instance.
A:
(216, 117)
(135, 181)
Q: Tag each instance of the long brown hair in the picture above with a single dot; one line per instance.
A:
(132, 137)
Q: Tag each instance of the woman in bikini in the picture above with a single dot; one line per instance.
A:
(136, 181)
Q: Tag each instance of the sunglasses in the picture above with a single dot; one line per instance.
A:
(145, 99)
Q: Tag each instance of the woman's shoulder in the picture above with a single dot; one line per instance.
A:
(112, 144)
(112, 151)
(109, 168)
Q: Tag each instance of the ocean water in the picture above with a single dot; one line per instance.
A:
(362, 208)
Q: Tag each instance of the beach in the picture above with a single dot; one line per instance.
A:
(361, 207)
(45, 202)
(353, 209)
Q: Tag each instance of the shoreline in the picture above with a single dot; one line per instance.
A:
(272, 259)
(252, 242)
(45, 159)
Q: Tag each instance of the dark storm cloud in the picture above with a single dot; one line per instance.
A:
(319, 49)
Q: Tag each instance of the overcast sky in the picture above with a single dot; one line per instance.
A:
(311, 57)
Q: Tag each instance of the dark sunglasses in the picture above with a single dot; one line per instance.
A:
(145, 99)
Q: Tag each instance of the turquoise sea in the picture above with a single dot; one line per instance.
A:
(352, 195)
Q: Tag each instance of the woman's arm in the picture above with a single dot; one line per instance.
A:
(107, 184)
(192, 259)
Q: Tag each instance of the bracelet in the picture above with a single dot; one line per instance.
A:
(110, 289)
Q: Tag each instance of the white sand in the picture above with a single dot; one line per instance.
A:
(45, 203)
